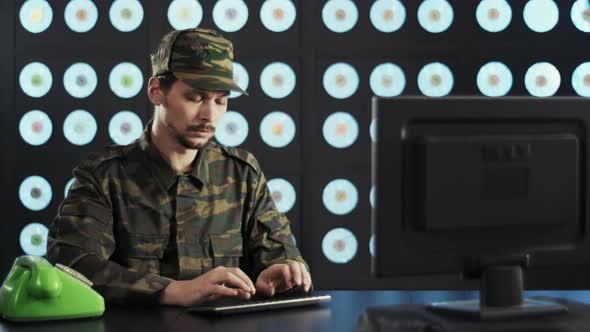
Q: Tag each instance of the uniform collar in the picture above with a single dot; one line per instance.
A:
(161, 167)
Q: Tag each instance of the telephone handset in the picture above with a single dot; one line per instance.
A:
(36, 290)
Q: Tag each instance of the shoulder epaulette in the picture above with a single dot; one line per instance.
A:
(94, 159)
(239, 154)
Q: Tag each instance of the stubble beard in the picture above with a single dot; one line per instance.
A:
(188, 144)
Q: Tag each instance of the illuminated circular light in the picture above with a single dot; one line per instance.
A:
(581, 79)
(493, 15)
(33, 239)
(339, 245)
(435, 15)
(387, 80)
(126, 15)
(185, 14)
(372, 245)
(388, 15)
(580, 15)
(230, 15)
(79, 127)
(278, 15)
(81, 15)
(277, 129)
(542, 79)
(282, 193)
(35, 127)
(126, 80)
(372, 194)
(125, 127)
(340, 15)
(68, 185)
(494, 79)
(340, 130)
(35, 193)
(341, 80)
(373, 130)
(35, 79)
(340, 196)
(35, 15)
(232, 130)
(241, 77)
(80, 80)
(277, 80)
(541, 15)
(435, 80)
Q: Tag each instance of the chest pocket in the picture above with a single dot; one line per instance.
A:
(226, 249)
(141, 253)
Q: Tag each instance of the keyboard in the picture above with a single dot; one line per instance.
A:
(234, 306)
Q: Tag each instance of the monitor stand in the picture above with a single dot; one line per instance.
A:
(501, 297)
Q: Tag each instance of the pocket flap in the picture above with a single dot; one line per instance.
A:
(226, 245)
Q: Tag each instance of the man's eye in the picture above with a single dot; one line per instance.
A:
(195, 99)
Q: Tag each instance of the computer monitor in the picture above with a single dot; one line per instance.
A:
(482, 187)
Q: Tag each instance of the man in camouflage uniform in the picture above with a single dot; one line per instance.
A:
(175, 218)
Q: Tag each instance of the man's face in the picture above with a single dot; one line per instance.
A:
(192, 115)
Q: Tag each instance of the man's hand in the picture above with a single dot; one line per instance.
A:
(208, 287)
(281, 277)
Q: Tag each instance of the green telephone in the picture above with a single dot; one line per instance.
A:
(36, 290)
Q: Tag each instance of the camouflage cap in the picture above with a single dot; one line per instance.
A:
(201, 58)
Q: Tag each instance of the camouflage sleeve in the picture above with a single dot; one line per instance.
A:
(270, 237)
(81, 236)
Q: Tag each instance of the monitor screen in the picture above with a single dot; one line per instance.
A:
(468, 183)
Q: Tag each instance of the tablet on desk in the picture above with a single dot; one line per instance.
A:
(234, 306)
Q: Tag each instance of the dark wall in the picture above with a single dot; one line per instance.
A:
(11, 224)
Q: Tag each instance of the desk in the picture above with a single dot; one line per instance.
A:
(340, 315)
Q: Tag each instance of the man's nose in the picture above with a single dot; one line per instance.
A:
(206, 111)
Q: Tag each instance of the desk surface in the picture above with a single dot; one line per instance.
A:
(340, 315)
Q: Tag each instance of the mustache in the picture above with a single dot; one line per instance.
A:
(201, 127)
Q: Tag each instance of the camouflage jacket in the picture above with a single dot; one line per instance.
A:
(132, 224)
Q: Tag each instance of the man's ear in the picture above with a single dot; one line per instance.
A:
(155, 93)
